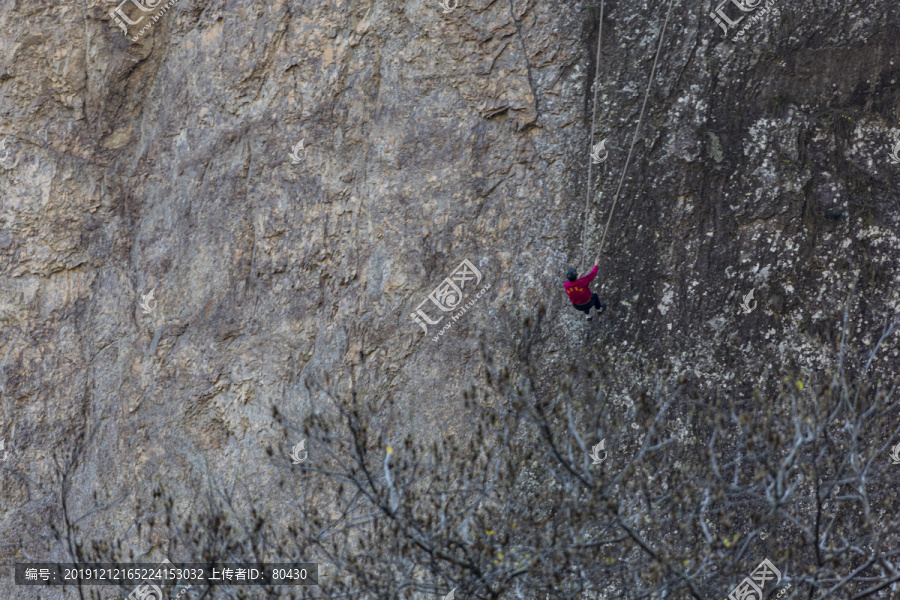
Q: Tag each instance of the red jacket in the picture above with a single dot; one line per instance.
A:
(578, 291)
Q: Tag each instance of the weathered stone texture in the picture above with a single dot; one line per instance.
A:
(431, 137)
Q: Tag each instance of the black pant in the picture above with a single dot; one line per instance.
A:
(586, 308)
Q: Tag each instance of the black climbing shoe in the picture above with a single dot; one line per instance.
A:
(589, 317)
(602, 307)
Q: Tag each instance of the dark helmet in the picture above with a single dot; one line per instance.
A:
(571, 274)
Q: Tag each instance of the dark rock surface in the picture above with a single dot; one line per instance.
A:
(430, 137)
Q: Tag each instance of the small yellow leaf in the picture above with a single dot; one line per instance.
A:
(390, 450)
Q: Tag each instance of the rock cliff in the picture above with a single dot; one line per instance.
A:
(161, 160)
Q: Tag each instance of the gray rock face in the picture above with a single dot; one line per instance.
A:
(762, 164)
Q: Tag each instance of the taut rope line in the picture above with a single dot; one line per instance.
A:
(587, 196)
(662, 36)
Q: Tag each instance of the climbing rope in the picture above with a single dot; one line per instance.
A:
(662, 36)
(587, 196)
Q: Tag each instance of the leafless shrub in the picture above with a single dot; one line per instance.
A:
(695, 492)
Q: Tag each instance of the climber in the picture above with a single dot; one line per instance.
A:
(580, 294)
